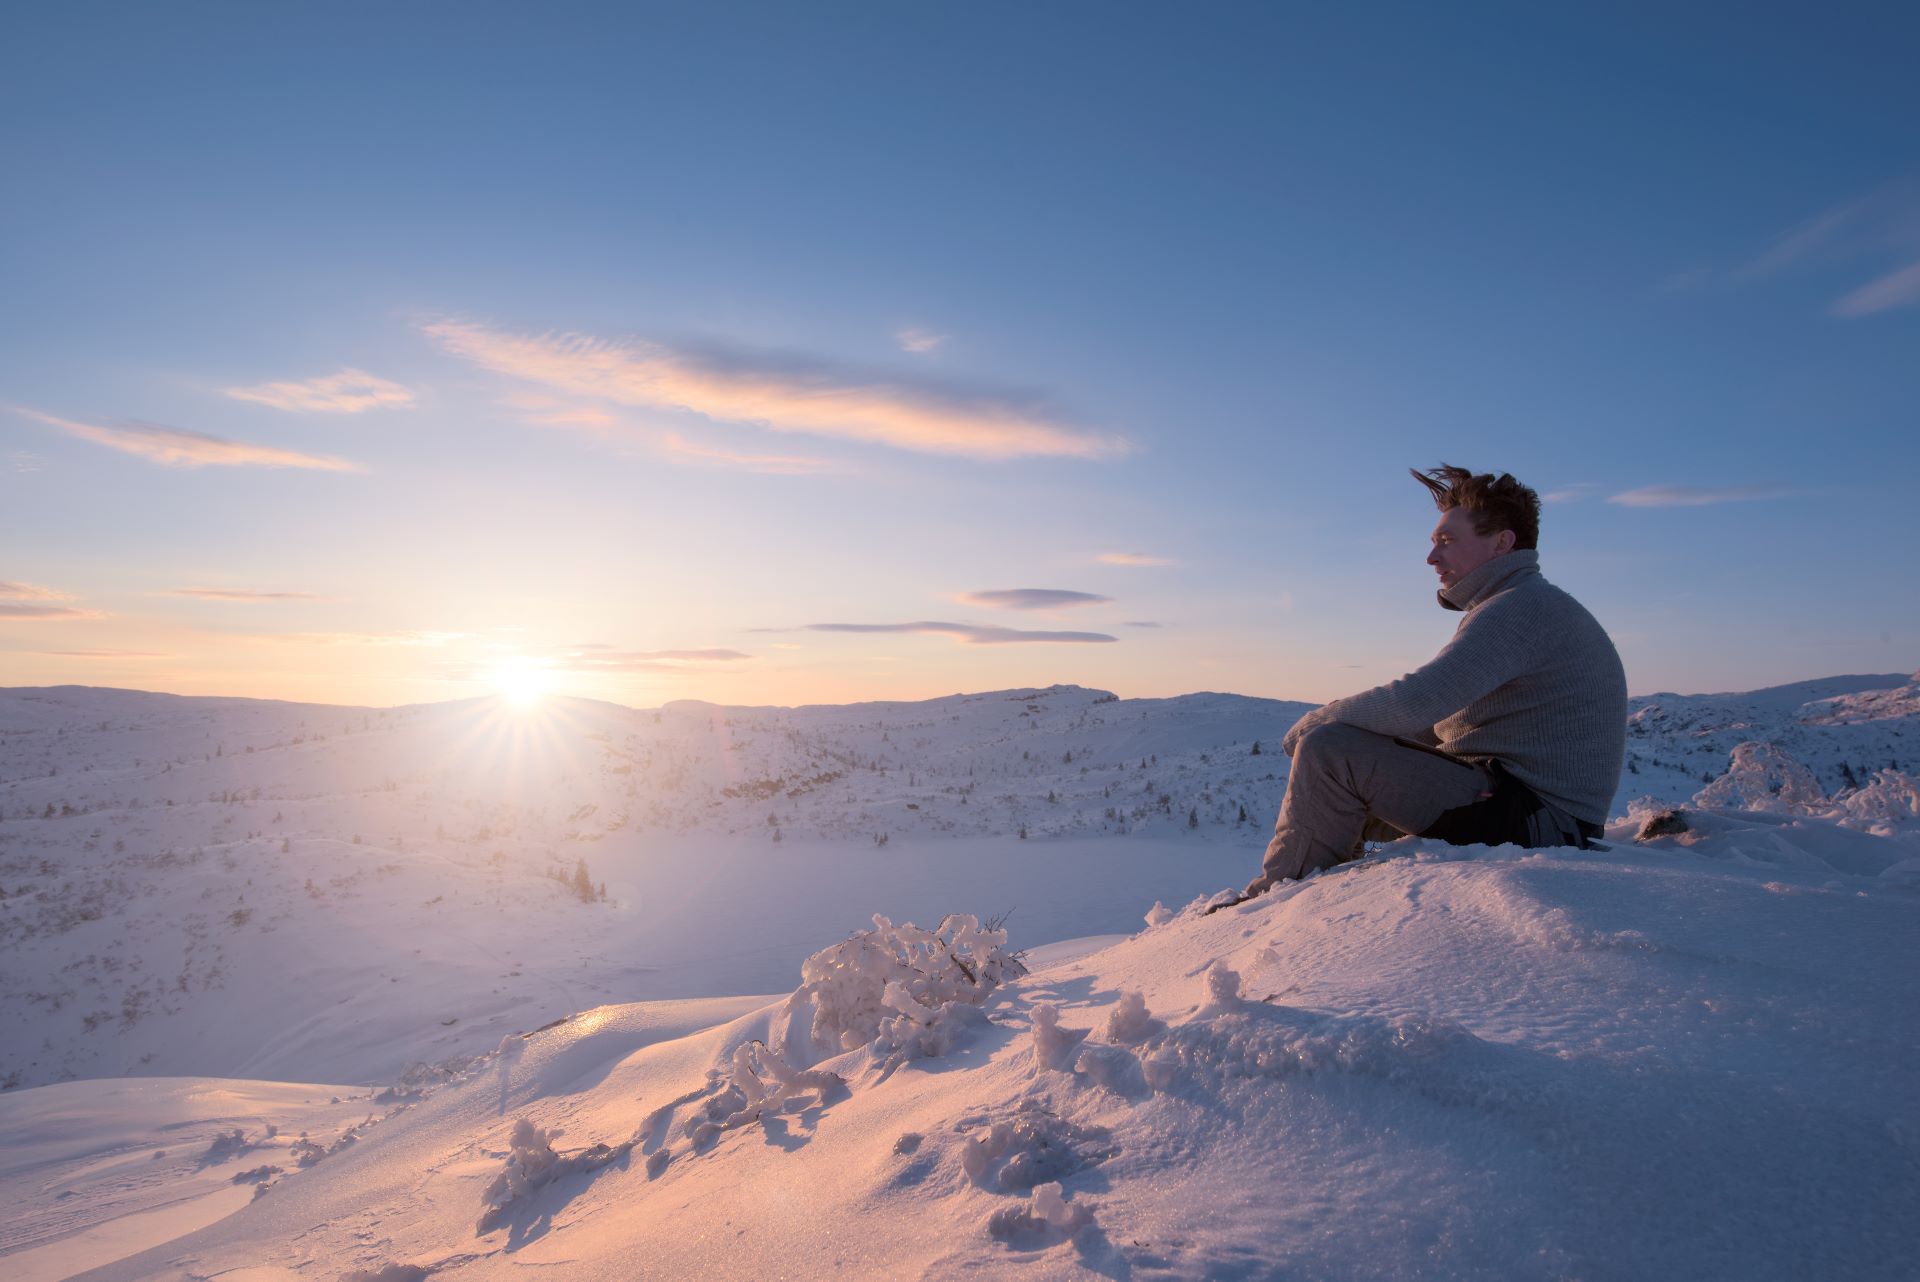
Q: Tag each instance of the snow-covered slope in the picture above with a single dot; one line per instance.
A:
(1661, 1060)
(237, 887)
(213, 886)
(1687, 1055)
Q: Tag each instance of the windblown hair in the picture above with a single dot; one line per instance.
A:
(1495, 502)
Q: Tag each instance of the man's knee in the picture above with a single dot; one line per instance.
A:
(1333, 740)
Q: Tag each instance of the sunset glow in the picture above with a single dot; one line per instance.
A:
(521, 682)
(1082, 385)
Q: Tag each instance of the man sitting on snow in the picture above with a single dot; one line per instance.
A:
(1513, 733)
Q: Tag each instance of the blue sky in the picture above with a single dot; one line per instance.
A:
(626, 345)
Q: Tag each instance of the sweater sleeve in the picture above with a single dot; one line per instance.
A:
(1491, 648)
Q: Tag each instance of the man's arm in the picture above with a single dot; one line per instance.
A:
(1489, 650)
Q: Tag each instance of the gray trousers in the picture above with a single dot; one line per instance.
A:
(1349, 786)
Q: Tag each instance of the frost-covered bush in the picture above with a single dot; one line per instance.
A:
(226, 1144)
(1129, 1022)
(909, 991)
(1031, 1148)
(1223, 988)
(1046, 1217)
(1054, 1046)
(762, 1082)
(1885, 807)
(531, 1162)
(1763, 776)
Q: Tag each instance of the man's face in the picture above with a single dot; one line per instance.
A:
(1459, 549)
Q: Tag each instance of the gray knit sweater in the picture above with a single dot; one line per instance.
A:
(1530, 678)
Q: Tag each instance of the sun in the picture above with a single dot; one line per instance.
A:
(520, 682)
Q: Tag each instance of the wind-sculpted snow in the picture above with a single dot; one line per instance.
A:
(1664, 1058)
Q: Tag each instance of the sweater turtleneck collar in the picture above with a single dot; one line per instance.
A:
(1483, 581)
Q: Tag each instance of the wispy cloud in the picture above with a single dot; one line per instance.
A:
(44, 610)
(178, 447)
(103, 654)
(1896, 289)
(1804, 242)
(31, 592)
(430, 640)
(966, 633)
(918, 340)
(246, 595)
(1131, 558)
(679, 447)
(1570, 493)
(1142, 623)
(589, 657)
(780, 392)
(601, 658)
(31, 601)
(553, 411)
(1033, 598)
(1884, 224)
(1696, 495)
(351, 391)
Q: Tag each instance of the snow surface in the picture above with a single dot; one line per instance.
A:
(1684, 1056)
(1657, 1060)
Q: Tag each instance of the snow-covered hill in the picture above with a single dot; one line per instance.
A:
(238, 887)
(1661, 1060)
(1685, 1055)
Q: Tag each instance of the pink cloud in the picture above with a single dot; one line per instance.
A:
(351, 391)
(782, 394)
(178, 447)
(1896, 289)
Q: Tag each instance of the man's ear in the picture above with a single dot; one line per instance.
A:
(1504, 541)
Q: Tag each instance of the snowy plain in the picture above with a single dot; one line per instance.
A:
(1683, 1056)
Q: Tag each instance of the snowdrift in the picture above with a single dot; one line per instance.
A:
(1680, 1058)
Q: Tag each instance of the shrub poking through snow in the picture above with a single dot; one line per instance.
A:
(1054, 1046)
(1883, 807)
(1129, 1023)
(1046, 1218)
(531, 1162)
(910, 990)
(1033, 1147)
(388, 1273)
(225, 1145)
(1763, 776)
(1223, 988)
(762, 1082)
